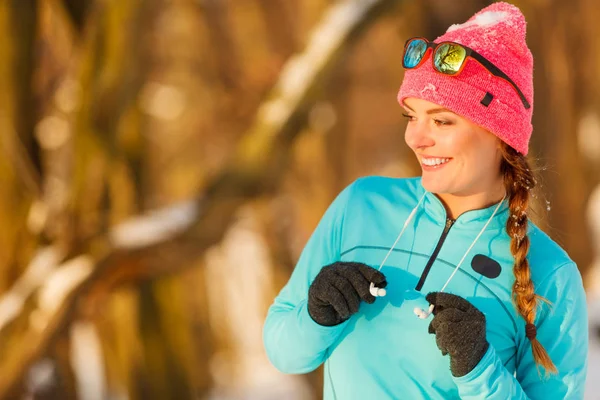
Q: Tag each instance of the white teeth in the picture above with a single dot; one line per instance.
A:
(434, 161)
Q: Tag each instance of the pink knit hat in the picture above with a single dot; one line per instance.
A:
(497, 32)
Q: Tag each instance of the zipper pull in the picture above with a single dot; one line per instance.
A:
(449, 222)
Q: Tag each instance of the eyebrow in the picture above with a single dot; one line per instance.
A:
(431, 111)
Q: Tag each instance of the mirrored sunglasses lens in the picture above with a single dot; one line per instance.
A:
(414, 53)
(448, 58)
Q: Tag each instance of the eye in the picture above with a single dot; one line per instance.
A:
(409, 117)
(440, 122)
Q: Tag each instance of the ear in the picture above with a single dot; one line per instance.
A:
(499, 143)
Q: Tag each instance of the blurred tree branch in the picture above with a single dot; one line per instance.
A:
(23, 17)
(215, 13)
(281, 26)
(171, 237)
(24, 168)
(78, 11)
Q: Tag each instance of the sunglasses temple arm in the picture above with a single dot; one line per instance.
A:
(497, 72)
(521, 95)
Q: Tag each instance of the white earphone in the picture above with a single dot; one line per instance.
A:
(419, 312)
(377, 292)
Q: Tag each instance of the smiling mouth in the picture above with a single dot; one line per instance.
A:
(433, 162)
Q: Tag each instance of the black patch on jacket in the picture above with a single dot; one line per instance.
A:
(486, 266)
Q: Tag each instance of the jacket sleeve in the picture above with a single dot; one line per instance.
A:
(562, 328)
(293, 341)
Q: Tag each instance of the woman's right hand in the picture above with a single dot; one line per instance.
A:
(337, 290)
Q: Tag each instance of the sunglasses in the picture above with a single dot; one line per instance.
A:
(449, 58)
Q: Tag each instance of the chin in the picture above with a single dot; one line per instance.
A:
(434, 185)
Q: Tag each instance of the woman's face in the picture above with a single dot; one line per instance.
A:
(457, 157)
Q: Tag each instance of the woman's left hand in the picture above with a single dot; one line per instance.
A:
(459, 329)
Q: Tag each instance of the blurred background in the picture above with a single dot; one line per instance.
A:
(163, 162)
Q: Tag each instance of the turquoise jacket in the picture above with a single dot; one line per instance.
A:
(384, 351)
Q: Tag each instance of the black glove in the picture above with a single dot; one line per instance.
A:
(459, 329)
(336, 292)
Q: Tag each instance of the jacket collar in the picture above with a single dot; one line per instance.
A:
(469, 220)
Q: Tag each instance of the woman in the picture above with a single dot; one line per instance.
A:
(508, 308)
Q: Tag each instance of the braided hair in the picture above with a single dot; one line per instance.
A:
(518, 181)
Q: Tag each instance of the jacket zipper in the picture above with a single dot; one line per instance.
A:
(449, 223)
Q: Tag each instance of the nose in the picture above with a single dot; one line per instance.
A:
(418, 135)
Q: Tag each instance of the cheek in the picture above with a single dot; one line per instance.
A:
(455, 143)
(483, 157)
(472, 152)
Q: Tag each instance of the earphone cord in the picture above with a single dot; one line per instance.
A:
(463, 257)
(410, 216)
(473, 244)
